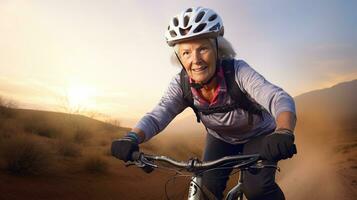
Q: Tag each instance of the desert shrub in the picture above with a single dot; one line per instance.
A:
(24, 155)
(6, 112)
(7, 108)
(82, 135)
(96, 164)
(9, 127)
(111, 125)
(107, 152)
(46, 132)
(42, 128)
(104, 142)
(68, 148)
(114, 122)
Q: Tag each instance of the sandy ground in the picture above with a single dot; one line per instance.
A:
(318, 172)
(324, 168)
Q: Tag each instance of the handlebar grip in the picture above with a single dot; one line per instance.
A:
(136, 155)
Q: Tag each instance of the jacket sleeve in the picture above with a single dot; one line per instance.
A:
(271, 97)
(170, 105)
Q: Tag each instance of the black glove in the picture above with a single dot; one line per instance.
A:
(278, 145)
(124, 147)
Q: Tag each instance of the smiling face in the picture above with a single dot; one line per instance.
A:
(198, 58)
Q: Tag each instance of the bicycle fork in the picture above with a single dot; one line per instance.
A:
(194, 191)
(236, 192)
(196, 187)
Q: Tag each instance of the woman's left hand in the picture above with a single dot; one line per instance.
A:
(278, 145)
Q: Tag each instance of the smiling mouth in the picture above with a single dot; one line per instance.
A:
(201, 68)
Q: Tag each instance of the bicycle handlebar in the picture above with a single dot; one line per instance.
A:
(194, 164)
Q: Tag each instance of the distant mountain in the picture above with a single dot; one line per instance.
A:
(47, 121)
(335, 103)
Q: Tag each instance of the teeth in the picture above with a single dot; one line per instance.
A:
(200, 69)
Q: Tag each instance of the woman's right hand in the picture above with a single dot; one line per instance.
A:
(124, 147)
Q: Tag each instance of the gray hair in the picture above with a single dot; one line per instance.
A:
(225, 50)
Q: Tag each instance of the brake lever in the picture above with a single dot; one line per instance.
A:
(146, 162)
(129, 163)
(141, 163)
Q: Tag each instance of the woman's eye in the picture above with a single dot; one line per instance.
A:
(185, 53)
(203, 49)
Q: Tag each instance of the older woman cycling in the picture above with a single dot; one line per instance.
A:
(243, 113)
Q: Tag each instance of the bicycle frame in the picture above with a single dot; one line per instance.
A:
(236, 191)
(195, 187)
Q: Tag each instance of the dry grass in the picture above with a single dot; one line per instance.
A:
(6, 107)
(96, 164)
(68, 148)
(6, 112)
(9, 127)
(82, 135)
(36, 142)
(42, 128)
(25, 155)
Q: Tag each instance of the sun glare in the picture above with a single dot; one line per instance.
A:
(81, 97)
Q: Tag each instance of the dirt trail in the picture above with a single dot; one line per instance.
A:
(325, 167)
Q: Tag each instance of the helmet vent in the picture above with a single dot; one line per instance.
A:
(175, 21)
(215, 27)
(213, 17)
(185, 20)
(199, 16)
(199, 28)
(192, 23)
(184, 31)
(173, 33)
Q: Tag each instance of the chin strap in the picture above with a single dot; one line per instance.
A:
(199, 86)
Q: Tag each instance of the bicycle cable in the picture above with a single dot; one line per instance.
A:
(180, 174)
(172, 179)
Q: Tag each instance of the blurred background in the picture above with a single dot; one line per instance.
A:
(77, 74)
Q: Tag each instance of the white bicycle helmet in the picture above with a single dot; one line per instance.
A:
(194, 22)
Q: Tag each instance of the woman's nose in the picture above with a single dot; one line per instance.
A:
(196, 58)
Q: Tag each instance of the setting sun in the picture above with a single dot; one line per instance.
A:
(81, 97)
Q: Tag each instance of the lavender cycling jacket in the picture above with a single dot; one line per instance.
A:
(231, 127)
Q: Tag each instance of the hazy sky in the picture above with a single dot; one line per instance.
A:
(111, 56)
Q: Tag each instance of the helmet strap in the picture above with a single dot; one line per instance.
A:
(178, 58)
(216, 40)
